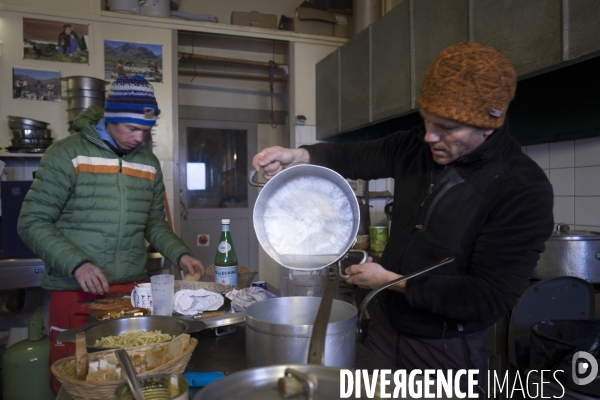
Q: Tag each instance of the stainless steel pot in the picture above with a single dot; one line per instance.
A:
(96, 94)
(570, 253)
(278, 331)
(84, 102)
(84, 82)
(306, 217)
(262, 383)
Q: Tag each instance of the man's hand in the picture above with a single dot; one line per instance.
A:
(91, 279)
(275, 159)
(190, 265)
(371, 275)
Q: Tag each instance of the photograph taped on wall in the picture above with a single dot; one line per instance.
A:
(36, 84)
(61, 41)
(127, 59)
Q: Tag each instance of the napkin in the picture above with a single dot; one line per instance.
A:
(241, 299)
(192, 302)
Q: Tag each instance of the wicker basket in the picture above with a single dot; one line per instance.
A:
(245, 275)
(64, 371)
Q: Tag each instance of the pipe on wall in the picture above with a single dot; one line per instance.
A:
(365, 12)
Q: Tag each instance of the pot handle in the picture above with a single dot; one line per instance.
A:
(362, 261)
(251, 180)
(375, 292)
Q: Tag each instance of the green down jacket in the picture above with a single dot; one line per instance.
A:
(88, 204)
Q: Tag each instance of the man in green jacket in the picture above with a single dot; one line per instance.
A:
(96, 199)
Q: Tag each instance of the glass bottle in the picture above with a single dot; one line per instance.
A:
(226, 262)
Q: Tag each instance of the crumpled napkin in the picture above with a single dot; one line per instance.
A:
(243, 298)
(192, 302)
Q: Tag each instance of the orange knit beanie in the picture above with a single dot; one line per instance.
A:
(469, 83)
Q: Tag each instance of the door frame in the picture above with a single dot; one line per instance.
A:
(178, 171)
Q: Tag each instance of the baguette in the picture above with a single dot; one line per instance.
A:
(81, 356)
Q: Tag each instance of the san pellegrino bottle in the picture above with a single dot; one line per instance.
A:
(226, 262)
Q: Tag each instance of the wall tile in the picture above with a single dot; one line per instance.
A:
(540, 154)
(562, 154)
(564, 210)
(586, 211)
(587, 151)
(587, 181)
(562, 181)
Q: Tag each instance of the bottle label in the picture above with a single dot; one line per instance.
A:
(224, 247)
(226, 275)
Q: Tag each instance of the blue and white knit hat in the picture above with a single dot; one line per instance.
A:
(131, 100)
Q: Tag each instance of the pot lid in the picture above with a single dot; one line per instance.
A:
(563, 232)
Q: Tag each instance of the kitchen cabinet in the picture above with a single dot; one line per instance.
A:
(327, 95)
(436, 25)
(354, 82)
(390, 64)
(581, 18)
(530, 32)
(537, 37)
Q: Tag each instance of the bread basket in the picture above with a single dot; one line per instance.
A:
(64, 371)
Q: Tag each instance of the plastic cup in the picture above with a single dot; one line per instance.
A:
(163, 287)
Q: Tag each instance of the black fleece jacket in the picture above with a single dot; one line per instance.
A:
(490, 209)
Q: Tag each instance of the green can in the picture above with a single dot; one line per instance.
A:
(379, 237)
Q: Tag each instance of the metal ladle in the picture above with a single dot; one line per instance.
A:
(132, 381)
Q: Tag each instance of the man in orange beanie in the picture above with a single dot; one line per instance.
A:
(463, 189)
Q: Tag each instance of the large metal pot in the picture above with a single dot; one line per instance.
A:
(278, 331)
(570, 253)
(84, 82)
(262, 383)
(84, 102)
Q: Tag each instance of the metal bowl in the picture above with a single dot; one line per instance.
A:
(25, 123)
(32, 142)
(115, 327)
(31, 133)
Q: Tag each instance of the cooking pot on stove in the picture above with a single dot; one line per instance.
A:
(570, 253)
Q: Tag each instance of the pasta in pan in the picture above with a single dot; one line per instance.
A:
(133, 338)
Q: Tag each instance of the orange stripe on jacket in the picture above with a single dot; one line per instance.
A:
(139, 174)
(97, 169)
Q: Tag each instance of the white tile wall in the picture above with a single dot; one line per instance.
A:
(573, 168)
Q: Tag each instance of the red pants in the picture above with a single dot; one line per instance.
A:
(66, 312)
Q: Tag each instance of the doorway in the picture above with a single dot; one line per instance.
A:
(214, 163)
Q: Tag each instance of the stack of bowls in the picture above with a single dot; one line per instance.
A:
(29, 135)
(82, 92)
